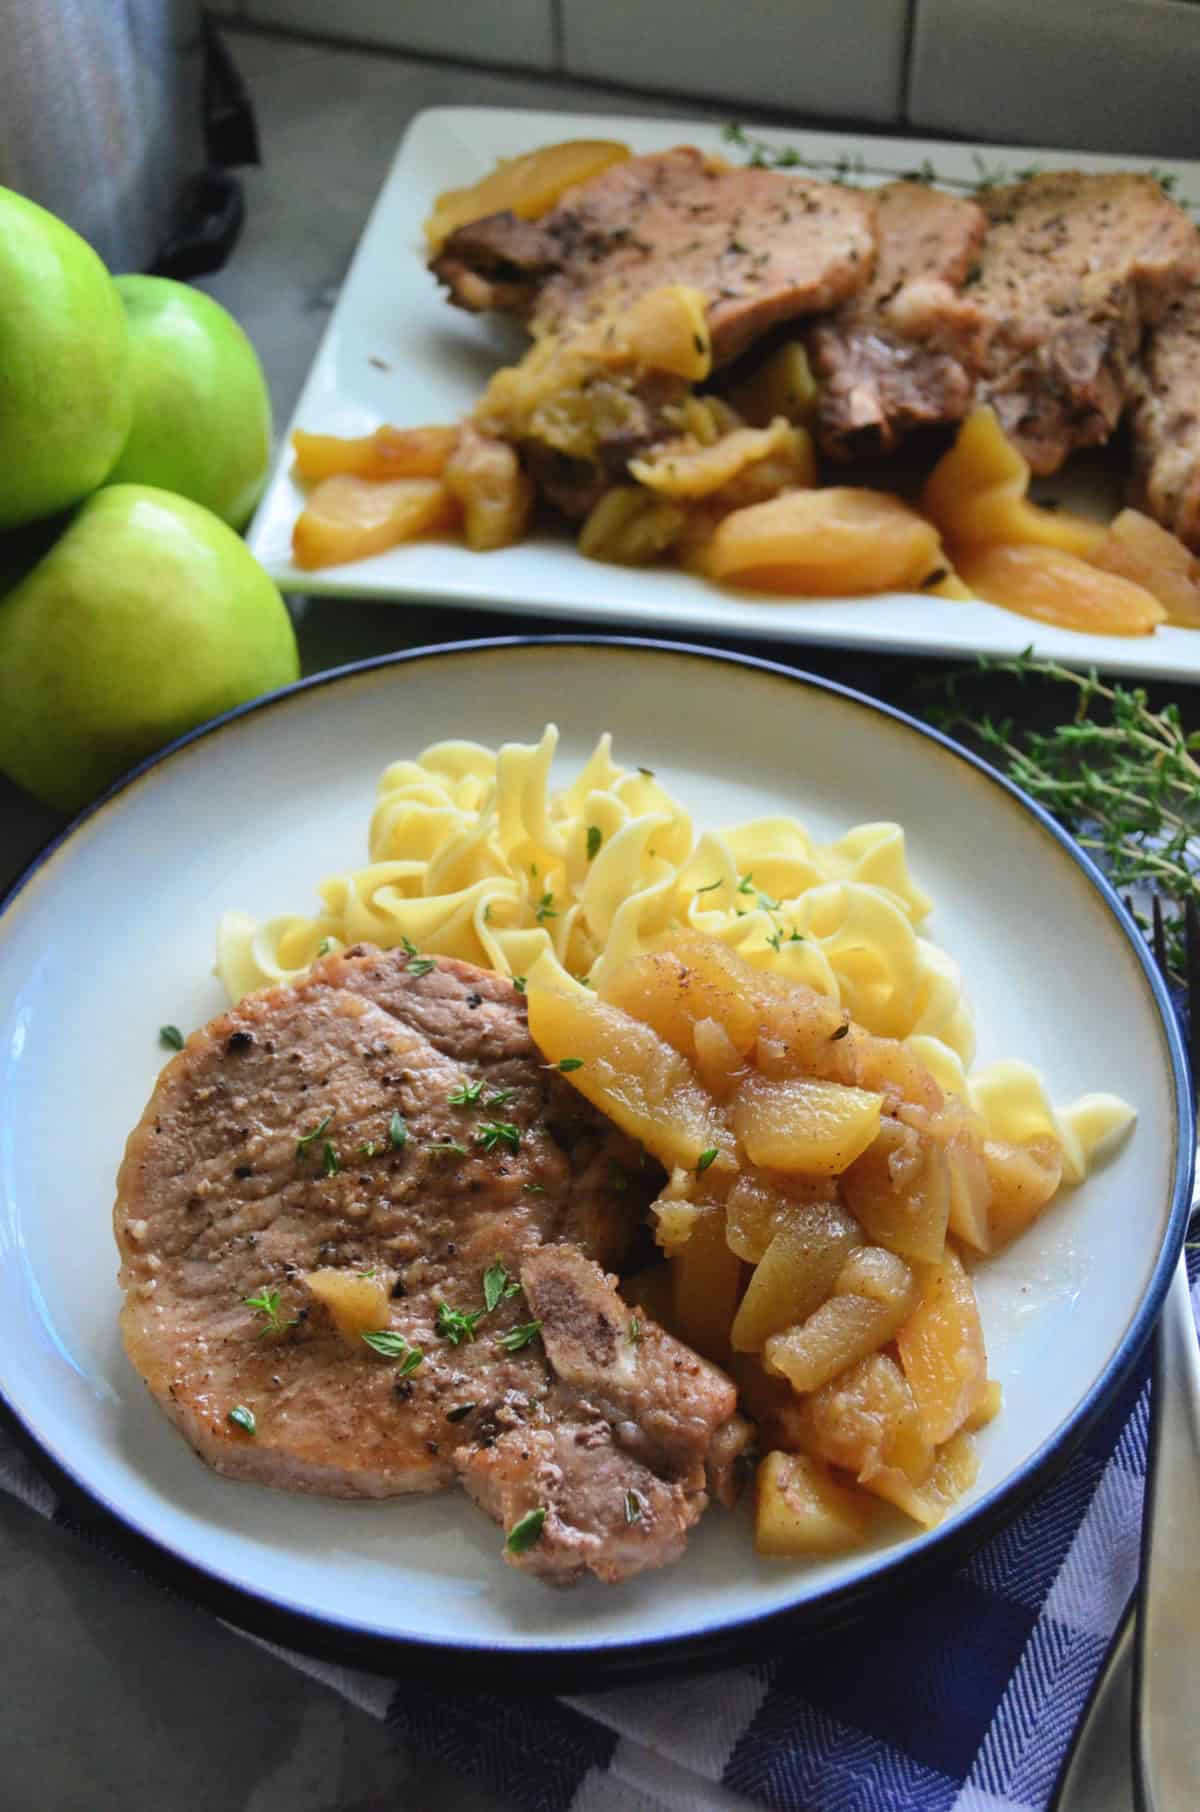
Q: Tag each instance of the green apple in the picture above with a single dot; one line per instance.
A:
(201, 410)
(65, 398)
(147, 617)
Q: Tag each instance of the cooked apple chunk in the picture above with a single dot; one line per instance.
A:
(631, 1074)
(798, 1123)
(942, 1351)
(357, 1304)
(900, 1190)
(795, 1274)
(801, 1511)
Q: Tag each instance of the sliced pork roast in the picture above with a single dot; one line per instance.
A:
(388, 1119)
(898, 355)
(1166, 421)
(764, 246)
(1074, 267)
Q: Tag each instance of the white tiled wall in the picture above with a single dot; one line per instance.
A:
(1116, 75)
(829, 58)
(520, 32)
(1111, 75)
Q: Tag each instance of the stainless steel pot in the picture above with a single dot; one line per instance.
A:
(107, 111)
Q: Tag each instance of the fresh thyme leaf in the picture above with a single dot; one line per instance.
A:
(513, 1339)
(745, 884)
(266, 1304)
(310, 1138)
(1123, 777)
(457, 1325)
(500, 1097)
(595, 838)
(466, 1094)
(766, 902)
(775, 939)
(710, 887)
(633, 1506)
(518, 982)
(330, 1162)
(398, 1132)
(491, 1133)
(367, 1150)
(448, 1145)
(647, 773)
(525, 1532)
(705, 1159)
(417, 964)
(566, 1064)
(535, 1188)
(242, 1418)
(171, 1036)
(390, 1344)
(760, 153)
(546, 909)
(633, 1332)
(498, 1286)
(324, 947)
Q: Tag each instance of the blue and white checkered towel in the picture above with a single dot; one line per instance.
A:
(960, 1700)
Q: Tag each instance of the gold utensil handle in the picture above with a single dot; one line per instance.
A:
(1166, 1729)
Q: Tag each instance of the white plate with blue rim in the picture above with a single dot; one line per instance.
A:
(395, 352)
(110, 934)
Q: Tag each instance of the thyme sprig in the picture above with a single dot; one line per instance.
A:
(853, 167)
(1123, 777)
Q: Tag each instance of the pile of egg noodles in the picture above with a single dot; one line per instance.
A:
(473, 855)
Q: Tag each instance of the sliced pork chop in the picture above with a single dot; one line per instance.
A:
(1166, 421)
(615, 1458)
(896, 356)
(1073, 268)
(386, 1120)
(763, 245)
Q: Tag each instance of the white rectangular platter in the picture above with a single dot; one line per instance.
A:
(396, 352)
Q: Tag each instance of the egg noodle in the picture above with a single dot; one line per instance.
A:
(473, 855)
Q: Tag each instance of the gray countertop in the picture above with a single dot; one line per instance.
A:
(116, 1696)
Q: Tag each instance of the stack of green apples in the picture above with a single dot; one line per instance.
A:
(135, 433)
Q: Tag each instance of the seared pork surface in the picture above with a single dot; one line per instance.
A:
(892, 358)
(324, 1127)
(617, 1456)
(1074, 266)
(764, 246)
(1166, 421)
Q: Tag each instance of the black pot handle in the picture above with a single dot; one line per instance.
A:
(207, 220)
(208, 215)
(230, 129)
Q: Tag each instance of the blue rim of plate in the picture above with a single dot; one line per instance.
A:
(574, 1667)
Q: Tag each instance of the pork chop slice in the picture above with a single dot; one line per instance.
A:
(1166, 421)
(896, 356)
(317, 1127)
(764, 246)
(614, 1461)
(1074, 267)
(390, 1119)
